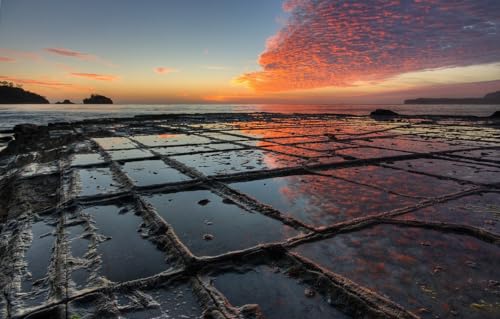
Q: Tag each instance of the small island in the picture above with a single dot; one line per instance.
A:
(490, 98)
(15, 94)
(97, 99)
(65, 102)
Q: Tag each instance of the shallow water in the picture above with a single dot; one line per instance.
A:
(195, 214)
(321, 201)
(277, 294)
(12, 114)
(434, 274)
(139, 258)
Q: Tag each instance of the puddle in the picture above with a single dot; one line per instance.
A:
(195, 214)
(154, 172)
(399, 181)
(170, 139)
(433, 274)
(129, 154)
(176, 150)
(39, 254)
(410, 145)
(86, 159)
(126, 255)
(464, 171)
(481, 210)
(115, 143)
(321, 201)
(95, 181)
(278, 295)
(237, 161)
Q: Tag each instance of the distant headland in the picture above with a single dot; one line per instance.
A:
(11, 93)
(490, 98)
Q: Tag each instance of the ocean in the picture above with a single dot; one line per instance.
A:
(11, 115)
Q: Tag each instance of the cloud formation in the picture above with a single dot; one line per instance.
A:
(338, 43)
(6, 59)
(44, 83)
(164, 70)
(79, 55)
(94, 76)
(70, 53)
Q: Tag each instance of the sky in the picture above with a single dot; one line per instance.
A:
(259, 51)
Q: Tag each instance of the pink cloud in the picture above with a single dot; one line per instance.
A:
(70, 53)
(94, 76)
(79, 55)
(337, 43)
(164, 70)
(6, 59)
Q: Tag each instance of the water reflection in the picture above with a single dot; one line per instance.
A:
(434, 274)
(321, 201)
(195, 214)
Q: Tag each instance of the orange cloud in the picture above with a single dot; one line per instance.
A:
(6, 59)
(94, 76)
(339, 43)
(164, 70)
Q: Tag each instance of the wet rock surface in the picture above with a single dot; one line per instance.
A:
(251, 216)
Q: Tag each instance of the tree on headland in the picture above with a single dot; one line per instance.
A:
(11, 93)
(97, 99)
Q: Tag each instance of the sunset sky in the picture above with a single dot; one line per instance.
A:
(259, 51)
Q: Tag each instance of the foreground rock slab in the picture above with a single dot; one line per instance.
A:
(251, 216)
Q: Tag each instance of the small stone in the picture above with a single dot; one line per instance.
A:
(203, 202)
(208, 237)
(437, 269)
(423, 310)
(308, 292)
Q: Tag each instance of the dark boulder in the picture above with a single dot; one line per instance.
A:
(495, 96)
(383, 112)
(496, 115)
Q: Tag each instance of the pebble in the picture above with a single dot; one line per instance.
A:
(203, 202)
(208, 237)
(308, 292)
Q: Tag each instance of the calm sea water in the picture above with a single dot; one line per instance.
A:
(11, 115)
